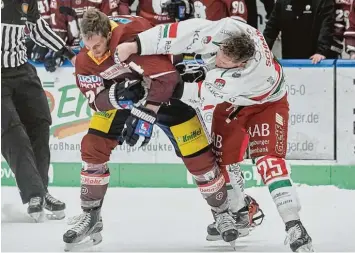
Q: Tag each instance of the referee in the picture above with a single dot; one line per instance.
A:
(25, 116)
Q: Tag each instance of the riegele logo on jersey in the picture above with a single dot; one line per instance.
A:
(219, 83)
(144, 128)
(90, 82)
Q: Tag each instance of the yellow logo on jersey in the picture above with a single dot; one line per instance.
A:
(190, 136)
(102, 121)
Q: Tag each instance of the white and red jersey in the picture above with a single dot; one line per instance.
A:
(260, 81)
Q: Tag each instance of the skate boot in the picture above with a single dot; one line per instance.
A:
(55, 207)
(246, 219)
(35, 209)
(85, 232)
(225, 225)
(298, 237)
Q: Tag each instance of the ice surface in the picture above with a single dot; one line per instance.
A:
(162, 220)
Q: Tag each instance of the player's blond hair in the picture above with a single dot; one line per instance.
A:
(95, 22)
(239, 47)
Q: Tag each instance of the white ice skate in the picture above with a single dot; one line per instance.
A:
(225, 224)
(298, 237)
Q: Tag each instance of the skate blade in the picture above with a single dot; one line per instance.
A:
(55, 215)
(242, 233)
(213, 238)
(38, 216)
(93, 240)
(232, 243)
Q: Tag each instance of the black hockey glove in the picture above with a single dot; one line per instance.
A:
(53, 60)
(38, 53)
(139, 125)
(191, 72)
(178, 10)
(128, 93)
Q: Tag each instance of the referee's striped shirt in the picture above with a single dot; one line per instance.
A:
(13, 49)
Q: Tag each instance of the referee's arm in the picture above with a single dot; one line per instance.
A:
(42, 34)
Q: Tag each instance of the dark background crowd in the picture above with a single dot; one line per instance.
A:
(307, 29)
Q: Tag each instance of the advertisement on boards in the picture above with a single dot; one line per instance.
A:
(346, 112)
(311, 127)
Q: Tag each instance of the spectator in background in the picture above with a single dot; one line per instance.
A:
(34, 51)
(253, 11)
(209, 9)
(169, 11)
(306, 28)
(350, 33)
(342, 8)
(67, 25)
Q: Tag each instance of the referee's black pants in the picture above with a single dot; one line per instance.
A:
(25, 122)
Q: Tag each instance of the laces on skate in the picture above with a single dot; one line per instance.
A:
(53, 200)
(85, 232)
(298, 238)
(55, 207)
(75, 219)
(81, 223)
(226, 226)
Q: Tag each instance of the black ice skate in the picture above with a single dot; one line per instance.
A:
(298, 237)
(225, 225)
(246, 219)
(55, 207)
(35, 209)
(86, 231)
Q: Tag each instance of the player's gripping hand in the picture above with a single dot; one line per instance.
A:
(178, 10)
(191, 72)
(139, 125)
(128, 93)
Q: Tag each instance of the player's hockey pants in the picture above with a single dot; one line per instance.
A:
(184, 129)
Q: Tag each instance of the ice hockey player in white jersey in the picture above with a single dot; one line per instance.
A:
(247, 85)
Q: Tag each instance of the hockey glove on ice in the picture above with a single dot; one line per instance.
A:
(138, 128)
(191, 72)
(126, 94)
(178, 10)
